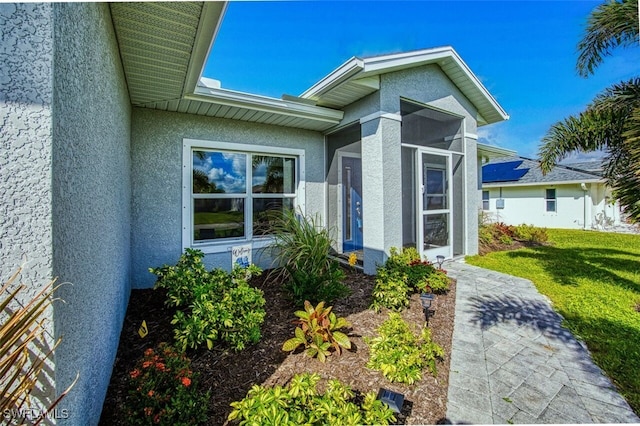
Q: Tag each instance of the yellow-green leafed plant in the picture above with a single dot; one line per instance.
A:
(318, 332)
(401, 355)
(21, 331)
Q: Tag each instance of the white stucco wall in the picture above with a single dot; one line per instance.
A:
(157, 139)
(26, 92)
(526, 204)
(26, 95)
(91, 171)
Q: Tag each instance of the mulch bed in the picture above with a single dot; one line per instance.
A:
(229, 374)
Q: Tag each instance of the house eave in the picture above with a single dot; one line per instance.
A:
(210, 22)
(552, 183)
(489, 111)
(320, 116)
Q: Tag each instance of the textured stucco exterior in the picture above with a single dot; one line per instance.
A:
(157, 139)
(26, 93)
(381, 190)
(91, 203)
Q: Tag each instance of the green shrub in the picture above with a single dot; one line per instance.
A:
(301, 248)
(438, 281)
(399, 354)
(300, 403)
(318, 332)
(530, 233)
(403, 273)
(213, 305)
(327, 286)
(505, 239)
(163, 390)
(493, 233)
(390, 291)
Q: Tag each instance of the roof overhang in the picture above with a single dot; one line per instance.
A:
(490, 151)
(357, 78)
(164, 47)
(552, 183)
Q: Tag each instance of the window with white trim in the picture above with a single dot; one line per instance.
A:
(550, 200)
(485, 200)
(233, 192)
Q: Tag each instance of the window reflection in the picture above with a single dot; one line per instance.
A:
(219, 172)
(216, 218)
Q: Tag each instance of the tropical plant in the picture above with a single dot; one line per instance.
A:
(403, 273)
(612, 121)
(301, 249)
(213, 305)
(318, 332)
(164, 390)
(22, 335)
(438, 281)
(401, 355)
(300, 403)
(391, 291)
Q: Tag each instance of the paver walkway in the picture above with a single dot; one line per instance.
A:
(513, 362)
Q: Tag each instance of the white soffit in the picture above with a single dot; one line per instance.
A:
(164, 47)
(490, 151)
(353, 79)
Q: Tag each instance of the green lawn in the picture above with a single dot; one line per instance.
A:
(593, 279)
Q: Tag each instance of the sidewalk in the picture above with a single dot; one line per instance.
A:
(512, 362)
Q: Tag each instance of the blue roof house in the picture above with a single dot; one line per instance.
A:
(117, 155)
(515, 191)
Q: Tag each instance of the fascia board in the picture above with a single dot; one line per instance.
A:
(565, 182)
(265, 104)
(494, 150)
(208, 27)
(388, 63)
(341, 74)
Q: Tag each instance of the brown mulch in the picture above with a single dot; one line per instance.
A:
(229, 375)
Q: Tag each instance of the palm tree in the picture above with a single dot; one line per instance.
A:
(612, 121)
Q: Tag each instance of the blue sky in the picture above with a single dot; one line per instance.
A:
(524, 52)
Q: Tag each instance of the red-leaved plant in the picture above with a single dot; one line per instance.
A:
(163, 390)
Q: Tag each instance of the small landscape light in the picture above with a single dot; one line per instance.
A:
(426, 299)
(440, 260)
(393, 399)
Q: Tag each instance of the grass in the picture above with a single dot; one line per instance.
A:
(593, 280)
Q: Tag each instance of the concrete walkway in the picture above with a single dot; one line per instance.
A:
(513, 362)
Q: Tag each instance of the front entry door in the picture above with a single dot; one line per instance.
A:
(435, 227)
(351, 177)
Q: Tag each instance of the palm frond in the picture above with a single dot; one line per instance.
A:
(589, 131)
(612, 24)
(22, 330)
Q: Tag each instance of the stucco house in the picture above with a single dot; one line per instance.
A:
(515, 191)
(117, 155)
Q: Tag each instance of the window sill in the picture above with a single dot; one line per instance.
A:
(226, 245)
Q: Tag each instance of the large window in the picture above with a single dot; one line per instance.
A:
(234, 194)
(550, 200)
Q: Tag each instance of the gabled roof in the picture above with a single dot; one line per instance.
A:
(520, 171)
(359, 77)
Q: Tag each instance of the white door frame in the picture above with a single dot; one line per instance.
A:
(446, 251)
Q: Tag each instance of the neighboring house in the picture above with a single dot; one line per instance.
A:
(115, 158)
(515, 191)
